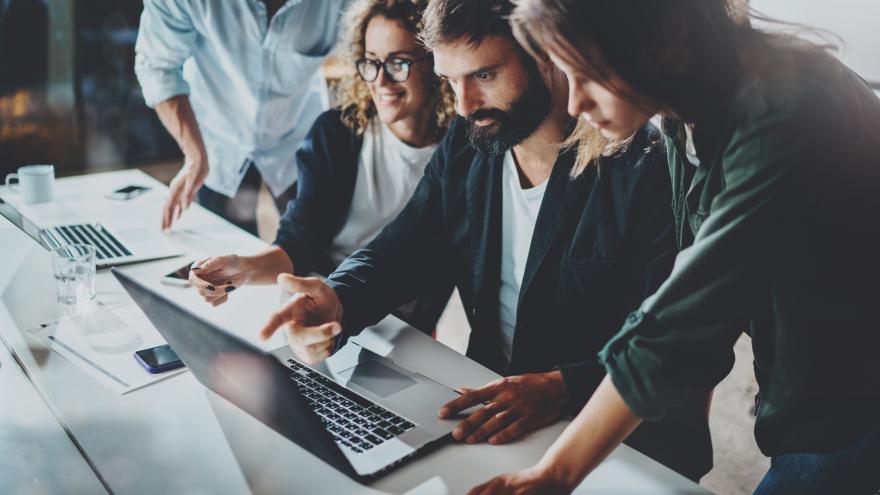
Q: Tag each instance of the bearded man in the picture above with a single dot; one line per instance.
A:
(548, 257)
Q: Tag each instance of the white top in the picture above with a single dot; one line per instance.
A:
(519, 213)
(255, 85)
(388, 172)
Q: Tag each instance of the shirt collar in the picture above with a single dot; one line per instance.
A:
(290, 2)
(683, 137)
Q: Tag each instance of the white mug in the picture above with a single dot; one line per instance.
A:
(34, 183)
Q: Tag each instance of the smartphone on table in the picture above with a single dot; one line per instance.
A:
(158, 359)
(179, 277)
(128, 192)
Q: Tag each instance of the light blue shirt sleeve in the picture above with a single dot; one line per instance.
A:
(165, 40)
(254, 81)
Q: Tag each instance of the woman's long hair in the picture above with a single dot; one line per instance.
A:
(684, 57)
(352, 92)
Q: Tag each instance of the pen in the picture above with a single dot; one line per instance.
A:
(88, 361)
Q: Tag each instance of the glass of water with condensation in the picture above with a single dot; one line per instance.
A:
(74, 269)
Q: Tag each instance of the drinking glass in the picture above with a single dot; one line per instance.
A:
(74, 269)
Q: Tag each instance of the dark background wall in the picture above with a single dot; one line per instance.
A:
(68, 94)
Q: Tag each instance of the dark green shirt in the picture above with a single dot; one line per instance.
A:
(780, 229)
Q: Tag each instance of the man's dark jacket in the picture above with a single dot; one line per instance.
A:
(603, 241)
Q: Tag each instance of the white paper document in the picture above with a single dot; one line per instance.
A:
(101, 341)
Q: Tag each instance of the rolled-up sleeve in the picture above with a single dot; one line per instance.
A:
(165, 40)
(679, 344)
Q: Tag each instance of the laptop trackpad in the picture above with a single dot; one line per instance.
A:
(377, 378)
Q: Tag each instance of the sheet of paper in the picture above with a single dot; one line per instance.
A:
(101, 341)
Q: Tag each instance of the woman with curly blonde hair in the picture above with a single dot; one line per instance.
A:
(354, 93)
(360, 162)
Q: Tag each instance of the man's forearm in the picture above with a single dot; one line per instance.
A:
(600, 427)
(177, 116)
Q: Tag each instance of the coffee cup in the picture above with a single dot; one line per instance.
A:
(33, 182)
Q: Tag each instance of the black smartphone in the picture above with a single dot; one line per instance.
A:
(158, 359)
(128, 192)
(179, 277)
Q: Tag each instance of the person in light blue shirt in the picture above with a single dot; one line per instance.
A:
(237, 83)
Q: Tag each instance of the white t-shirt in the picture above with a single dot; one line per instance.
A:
(519, 213)
(388, 172)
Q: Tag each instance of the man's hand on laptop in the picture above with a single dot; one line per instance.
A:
(312, 318)
(511, 406)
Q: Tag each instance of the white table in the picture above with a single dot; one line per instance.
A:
(38, 456)
(165, 437)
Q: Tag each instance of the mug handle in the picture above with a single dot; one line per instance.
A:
(9, 179)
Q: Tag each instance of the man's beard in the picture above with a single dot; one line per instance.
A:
(514, 125)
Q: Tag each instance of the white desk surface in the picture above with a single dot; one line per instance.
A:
(165, 437)
(38, 456)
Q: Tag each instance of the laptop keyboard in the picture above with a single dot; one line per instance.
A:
(356, 423)
(106, 245)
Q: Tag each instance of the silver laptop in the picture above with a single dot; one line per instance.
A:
(112, 247)
(358, 411)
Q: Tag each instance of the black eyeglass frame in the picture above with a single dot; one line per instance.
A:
(383, 64)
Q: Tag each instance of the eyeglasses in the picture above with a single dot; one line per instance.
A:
(397, 69)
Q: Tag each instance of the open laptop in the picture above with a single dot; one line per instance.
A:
(358, 411)
(127, 245)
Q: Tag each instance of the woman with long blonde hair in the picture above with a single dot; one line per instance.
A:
(774, 153)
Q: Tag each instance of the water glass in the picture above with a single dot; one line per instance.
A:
(74, 269)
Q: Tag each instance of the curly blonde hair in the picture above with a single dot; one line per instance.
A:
(352, 92)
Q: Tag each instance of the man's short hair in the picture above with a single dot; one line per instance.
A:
(470, 21)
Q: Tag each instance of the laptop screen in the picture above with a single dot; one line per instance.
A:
(20, 221)
(239, 372)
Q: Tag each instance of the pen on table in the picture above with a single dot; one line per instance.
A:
(88, 361)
